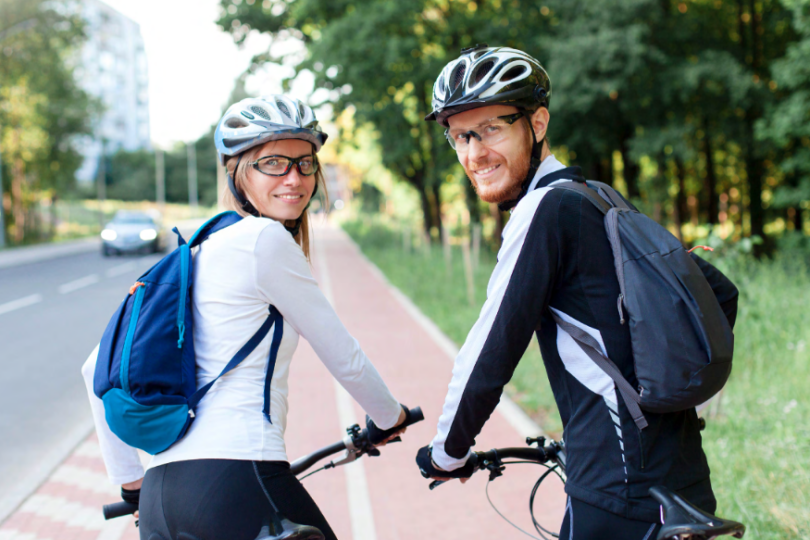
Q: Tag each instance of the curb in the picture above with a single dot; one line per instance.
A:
(10, 503)
(43, 252)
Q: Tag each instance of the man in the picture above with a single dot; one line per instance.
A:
(555, 257)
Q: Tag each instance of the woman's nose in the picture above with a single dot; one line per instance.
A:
(293, 178)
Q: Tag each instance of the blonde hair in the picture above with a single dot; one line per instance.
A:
(240, 175)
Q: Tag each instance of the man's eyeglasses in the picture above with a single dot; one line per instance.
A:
(281, 165)
(487, 133)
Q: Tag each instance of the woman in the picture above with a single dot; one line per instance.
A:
(223, 478)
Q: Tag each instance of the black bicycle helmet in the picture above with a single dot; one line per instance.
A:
(484, 76)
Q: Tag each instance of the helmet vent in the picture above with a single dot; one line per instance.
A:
(284, 109)
(458, 75)
(236, 122)
(479, 54)
(301, 113)
(441, 85)
(482, 71)
(260, 112)
(513, 73)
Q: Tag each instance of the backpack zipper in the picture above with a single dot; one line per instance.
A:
(185, 255)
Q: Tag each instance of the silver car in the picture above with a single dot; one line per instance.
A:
(132, 232)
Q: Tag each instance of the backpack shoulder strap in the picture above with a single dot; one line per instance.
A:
(611, 194)
(591, 347)
(586, 192)
(216, 223)
(274, 318)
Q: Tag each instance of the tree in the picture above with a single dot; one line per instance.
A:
(786, 125)
(38, 40)
(381, 58)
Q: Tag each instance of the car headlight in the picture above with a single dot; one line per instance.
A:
(148, 234)
(109, 235)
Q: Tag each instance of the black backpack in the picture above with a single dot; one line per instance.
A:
(681, 340)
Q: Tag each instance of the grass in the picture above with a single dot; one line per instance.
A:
(758, 437)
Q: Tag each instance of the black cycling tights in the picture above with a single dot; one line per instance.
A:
(222, 499)
(585, 522)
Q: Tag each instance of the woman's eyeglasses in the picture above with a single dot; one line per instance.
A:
(281, 165)
(487, 133)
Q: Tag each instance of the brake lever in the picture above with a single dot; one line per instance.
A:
(436, 483)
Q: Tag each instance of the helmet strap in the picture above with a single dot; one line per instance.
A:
(245, 204)
(534, 163)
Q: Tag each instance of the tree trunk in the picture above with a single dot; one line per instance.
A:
(742, 32)
(710, 180)
(500, 223)
(437, 205)
(427, 215)
(471, 198)
(603, 171)
(755, 169)
(631, 169)
(17, 179)
(798, 222)
(679, 209)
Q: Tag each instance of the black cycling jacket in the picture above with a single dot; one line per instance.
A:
(556, 256)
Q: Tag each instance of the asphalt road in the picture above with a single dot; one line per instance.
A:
(52, 314)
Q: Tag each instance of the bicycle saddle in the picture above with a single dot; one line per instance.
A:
(683, 520)
(287, 530)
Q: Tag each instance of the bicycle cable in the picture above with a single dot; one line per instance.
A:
(539, 528)
(534, 521)
(313, 472)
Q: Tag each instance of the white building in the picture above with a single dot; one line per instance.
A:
(112, 67)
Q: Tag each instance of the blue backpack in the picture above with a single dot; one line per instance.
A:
(146, 368)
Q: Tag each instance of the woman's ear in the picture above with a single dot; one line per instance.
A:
(540, 119)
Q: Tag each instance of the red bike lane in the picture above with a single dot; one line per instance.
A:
(418, 370)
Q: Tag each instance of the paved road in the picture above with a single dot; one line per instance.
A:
(52, 314)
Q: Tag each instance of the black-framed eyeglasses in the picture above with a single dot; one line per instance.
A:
(487, 133)
(281, 165)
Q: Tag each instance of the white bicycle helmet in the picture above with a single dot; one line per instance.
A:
(255, 121)
(484, 76)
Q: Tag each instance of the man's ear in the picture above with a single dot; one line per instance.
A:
(540, 120)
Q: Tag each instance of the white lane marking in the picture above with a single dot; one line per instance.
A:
(360, 510)
(78, 284)
(121, 269)
(512, 413)
(356, 484)
(20, 303)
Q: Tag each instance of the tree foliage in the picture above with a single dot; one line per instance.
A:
(41, 106)
(697, 108)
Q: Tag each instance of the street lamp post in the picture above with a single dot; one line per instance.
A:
(192, 175)
(160, 179)
(101, 185)
(2, 202)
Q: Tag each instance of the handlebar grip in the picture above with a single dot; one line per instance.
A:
(416, 415)
(119, 509)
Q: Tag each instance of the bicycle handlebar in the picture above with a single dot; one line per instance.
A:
(301, 464)
(356, 440)
(119, 509)
(492, 460)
